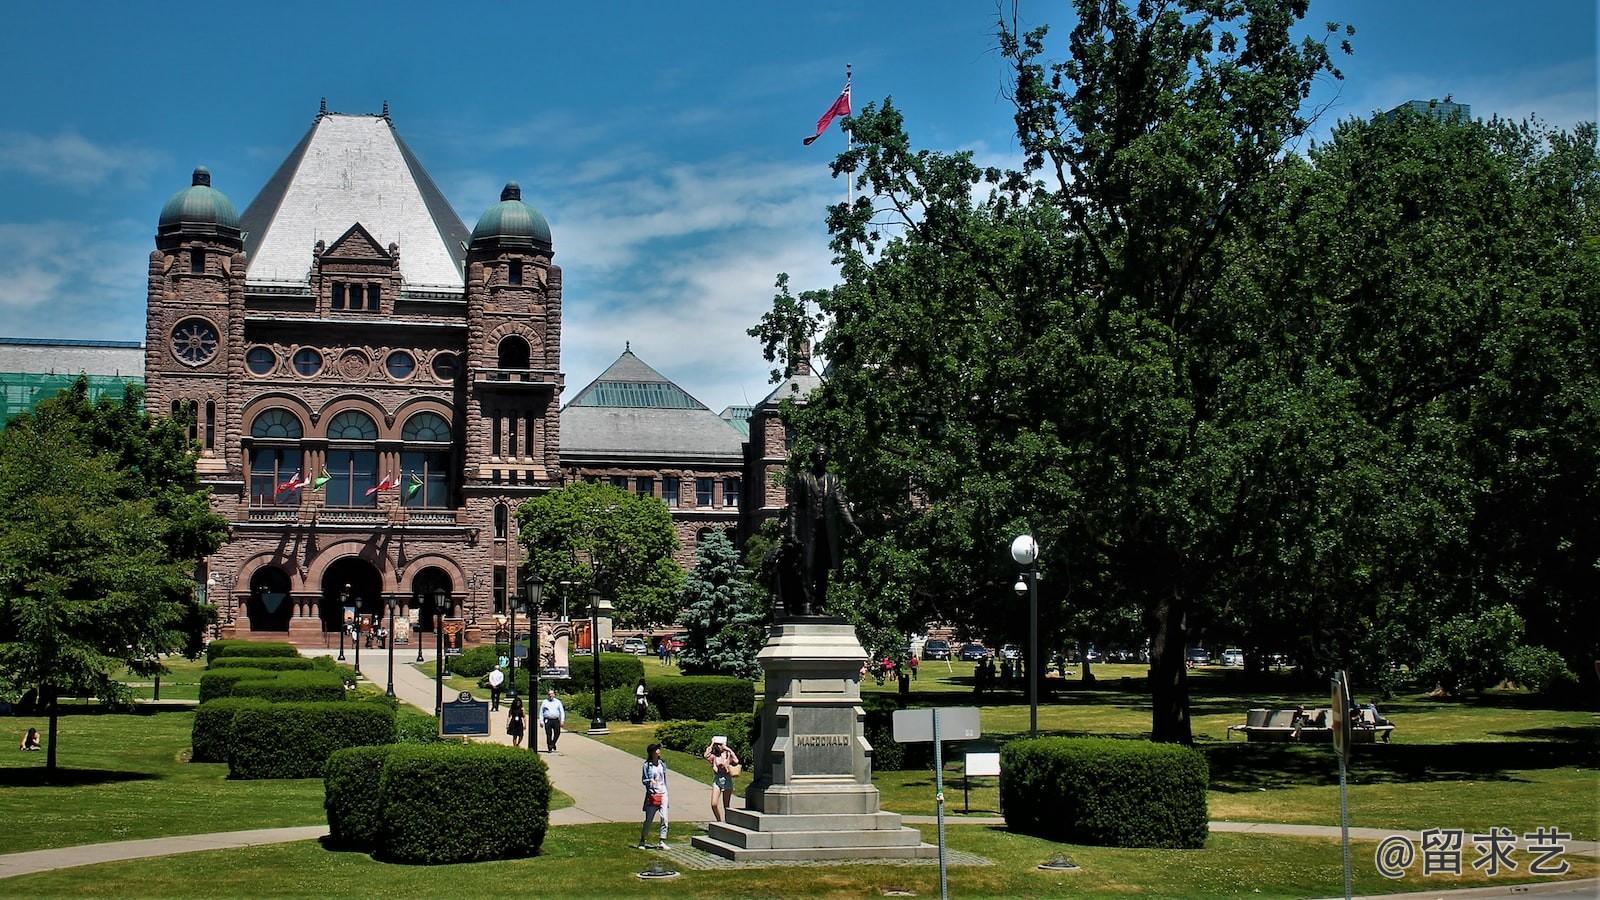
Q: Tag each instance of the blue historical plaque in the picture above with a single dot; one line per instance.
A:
(464, 715)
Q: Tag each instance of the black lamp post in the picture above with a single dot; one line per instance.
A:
(417, 632)
(394, 605)
(438, 654)
(535, 586)
(597, 721)
(1025, 550)
(511, 666)
(357, 639)
(344, 598)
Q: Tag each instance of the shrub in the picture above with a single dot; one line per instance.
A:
(694, 737)
(264, 663)
(413, 726)
(220, 683)
(702, 697)
(290, 687)
(350, 786)
(616, 670)
(211, 738)
(1104, 791)
(477, 662)
(294, 740)
(678, 734)
(496, 798)
(616, 704)
(1537, 668)
(239, 647)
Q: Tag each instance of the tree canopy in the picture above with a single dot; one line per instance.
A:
(604, 537)
(1228, 385)
(102, 524)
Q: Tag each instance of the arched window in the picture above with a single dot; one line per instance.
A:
(425, 461)
(352, 459)
(501, 517)
(514, 352)
(275, 458)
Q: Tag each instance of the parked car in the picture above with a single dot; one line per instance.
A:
(1233, 656)
(1198, 656)
(973, 652)
(935, 649)
(1010, 651)
(635, 645)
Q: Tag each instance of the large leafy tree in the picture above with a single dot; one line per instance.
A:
(722, 614)
(1063, 355)
(102, 523)
(600, 536)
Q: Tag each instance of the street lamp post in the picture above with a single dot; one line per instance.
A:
(394, 605)
(535, 586)
(439, 596)
(417, 632)
(597, 721)
(344, 598)
(1025, 551)
(357, 639)
(511, 655)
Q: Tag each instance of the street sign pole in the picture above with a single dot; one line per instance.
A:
(938, 797)
(1340, 688)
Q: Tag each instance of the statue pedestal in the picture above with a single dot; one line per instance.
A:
(813, 796)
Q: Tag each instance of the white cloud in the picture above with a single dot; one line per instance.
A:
(47, 289)
(72, 159)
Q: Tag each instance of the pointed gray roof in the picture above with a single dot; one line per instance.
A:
(632, 410)
(350, 169)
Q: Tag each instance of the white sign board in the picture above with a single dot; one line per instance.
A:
(983, 763)
(957, 723)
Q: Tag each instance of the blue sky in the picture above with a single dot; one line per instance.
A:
(662, 141)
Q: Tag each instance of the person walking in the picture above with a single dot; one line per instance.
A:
(641, 703)
(515, 723)
(497, 679)
(553, 715)
(724, 765)
(661, 651)
(654, 779)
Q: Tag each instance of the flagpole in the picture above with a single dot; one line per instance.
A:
(849, 144)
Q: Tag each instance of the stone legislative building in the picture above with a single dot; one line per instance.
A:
(375, 389)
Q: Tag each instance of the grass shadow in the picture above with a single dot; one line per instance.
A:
(1241, 767)
(42, 777)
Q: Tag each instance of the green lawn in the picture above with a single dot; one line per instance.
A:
(598, 861)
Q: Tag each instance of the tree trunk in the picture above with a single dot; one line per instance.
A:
(48, 695)
(1169, 684)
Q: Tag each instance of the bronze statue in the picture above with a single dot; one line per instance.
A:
(817, 511)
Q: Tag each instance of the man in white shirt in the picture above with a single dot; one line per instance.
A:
(497, 679)
(553, 715)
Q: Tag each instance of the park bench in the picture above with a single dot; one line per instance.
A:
(1278, 725)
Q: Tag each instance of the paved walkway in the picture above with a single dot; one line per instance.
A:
(603, 783)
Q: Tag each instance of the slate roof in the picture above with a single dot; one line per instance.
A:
(350, 169)
(632, 410)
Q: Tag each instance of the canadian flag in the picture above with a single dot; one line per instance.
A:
(387, 484)
(293, 484)
(840, 107)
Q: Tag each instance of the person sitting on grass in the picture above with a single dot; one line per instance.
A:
(30, 741)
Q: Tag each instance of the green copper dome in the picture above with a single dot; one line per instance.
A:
(200, 205)
(512, 222)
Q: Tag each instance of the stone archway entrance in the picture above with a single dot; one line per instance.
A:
(425, 589)
(268, 607)
(351, 581)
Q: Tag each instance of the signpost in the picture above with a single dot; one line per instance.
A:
(922, 725)
(1340, 688)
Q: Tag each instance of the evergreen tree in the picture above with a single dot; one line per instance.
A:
(721, 614)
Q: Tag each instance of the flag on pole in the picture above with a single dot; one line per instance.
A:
(322, 479)
(840, 107)
(293, 484)
(387, 484)
(414, 486)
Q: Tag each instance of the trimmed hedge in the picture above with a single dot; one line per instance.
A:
(265, 663)
(616, 704)
(220, 683)
(239, 647)
(1104, 791)
(496, 799)
(695, 737)
(413, 726)
(294, 740)
(292, 687)
(477, 662)
(350, 785)
(616, 670)
(702, 697)
(211, 738)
